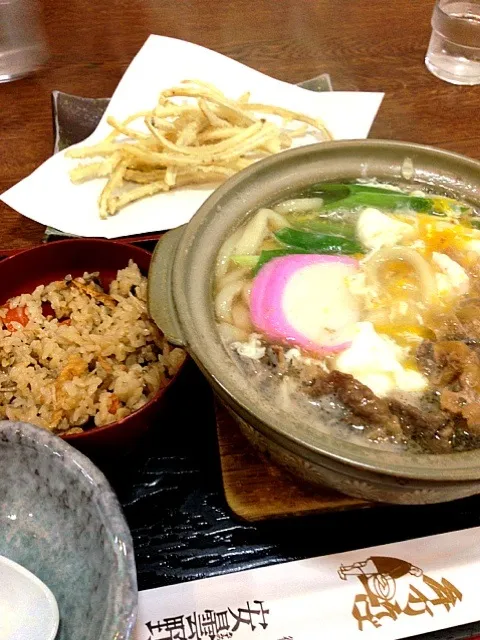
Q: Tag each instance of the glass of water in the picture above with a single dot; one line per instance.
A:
(23, 47)
(454, 50)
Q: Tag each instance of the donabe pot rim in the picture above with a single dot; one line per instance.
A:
(262, 184)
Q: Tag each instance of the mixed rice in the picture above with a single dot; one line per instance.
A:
(73, 356)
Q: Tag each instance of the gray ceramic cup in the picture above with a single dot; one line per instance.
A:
(60, 519)
(180, 301)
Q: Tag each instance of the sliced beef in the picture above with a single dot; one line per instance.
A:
(426, 358)
(432, 430)
(455, 361)
(468, 316)
(447, 419)
(361, 400)
(471, 413)
(416, 419)
(362, 403)
(453, 367)
(320, 385)
(463, 324)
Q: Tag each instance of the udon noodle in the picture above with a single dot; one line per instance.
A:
(362, 300)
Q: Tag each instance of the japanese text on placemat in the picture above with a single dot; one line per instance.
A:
(214, 625)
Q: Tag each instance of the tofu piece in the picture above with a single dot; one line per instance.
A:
(376, 361)
(376, 229)
(452, 279)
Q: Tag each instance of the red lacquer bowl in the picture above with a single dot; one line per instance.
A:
(23, 272)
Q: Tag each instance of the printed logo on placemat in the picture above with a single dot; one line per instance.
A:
(393, 587)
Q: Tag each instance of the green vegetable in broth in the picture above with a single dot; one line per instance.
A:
(257, 262)
(389, 201)
(317, 242)
(299, 242)
(312, 221)
(353, 196)
(245, 261)
(338, 191)
(270, 254)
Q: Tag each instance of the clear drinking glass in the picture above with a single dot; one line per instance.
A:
(22, 40)
(454, 50)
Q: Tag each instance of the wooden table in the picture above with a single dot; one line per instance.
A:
(364, 45)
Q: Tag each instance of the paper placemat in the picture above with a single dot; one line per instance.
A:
(387, 592)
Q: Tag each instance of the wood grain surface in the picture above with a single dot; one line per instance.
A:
(257, 489)
(364, 45)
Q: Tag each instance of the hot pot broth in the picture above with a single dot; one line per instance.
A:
(359, 304)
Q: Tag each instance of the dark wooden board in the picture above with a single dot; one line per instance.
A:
(257, 489)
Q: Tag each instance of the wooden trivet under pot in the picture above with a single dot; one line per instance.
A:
(257, 489)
